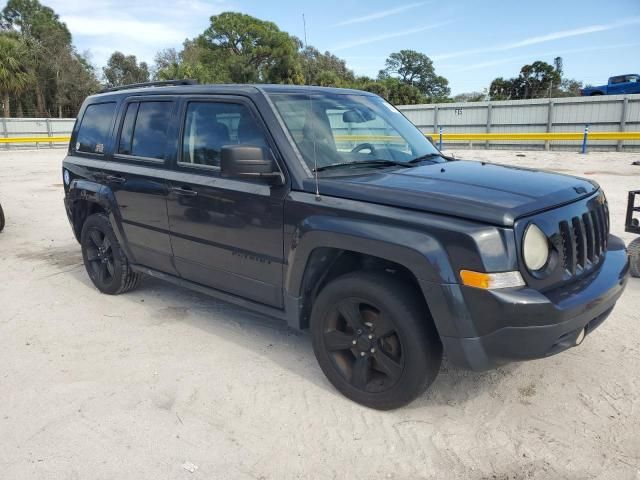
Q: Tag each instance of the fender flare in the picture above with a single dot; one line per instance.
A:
(94, 192)
(421, 253)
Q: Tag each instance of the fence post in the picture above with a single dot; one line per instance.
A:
(49, 134)
(5, 132)
(489, 109)
(440, 143)
(547, 145)
(435, 118)
(623, 122)
(584, 139)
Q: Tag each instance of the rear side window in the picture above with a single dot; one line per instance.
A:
(94, 127)
(124, 147)
(144, 130)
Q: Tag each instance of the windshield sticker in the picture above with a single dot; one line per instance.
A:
(99, 148)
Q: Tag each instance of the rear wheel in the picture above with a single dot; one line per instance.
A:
(1, 219)
(374, 340)
(104, 259)
(634, 257)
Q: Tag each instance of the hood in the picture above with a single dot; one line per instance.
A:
(490, 193)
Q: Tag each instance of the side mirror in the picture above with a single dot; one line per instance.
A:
(247, 161)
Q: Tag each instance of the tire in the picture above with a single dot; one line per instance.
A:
(104, 259)
(634, 257)
(1, 219)
(397, 351)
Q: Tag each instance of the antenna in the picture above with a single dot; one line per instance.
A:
(311, 116)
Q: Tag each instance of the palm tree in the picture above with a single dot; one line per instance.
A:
(14, 75)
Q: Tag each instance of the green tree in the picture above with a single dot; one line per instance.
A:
(60, 74)
(124, 69)
(395, 91)
(502, 89)
(324, 69)
(193, 62)
(47, 38)
(14, 76)
(76, 80)
(416, 69)
(536, 80)
(471, 96)
(250, 50)
(569, 87)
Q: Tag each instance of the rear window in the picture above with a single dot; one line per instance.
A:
(144, 130)
(94, 127)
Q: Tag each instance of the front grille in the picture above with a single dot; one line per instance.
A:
(584, 239)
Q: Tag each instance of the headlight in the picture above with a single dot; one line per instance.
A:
(535, 248)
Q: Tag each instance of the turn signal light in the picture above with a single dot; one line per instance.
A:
(489, 281)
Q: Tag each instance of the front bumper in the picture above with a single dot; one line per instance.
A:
(522, 324)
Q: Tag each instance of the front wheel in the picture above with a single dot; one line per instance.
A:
(104, 259)
(374, 339)
(1, 219)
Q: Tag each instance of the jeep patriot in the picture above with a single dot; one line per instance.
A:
(327, 208)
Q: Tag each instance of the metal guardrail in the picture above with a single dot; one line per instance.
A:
(56, 139)
(557, 136)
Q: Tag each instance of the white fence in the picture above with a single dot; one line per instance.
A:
(35, 127)
(610, 113)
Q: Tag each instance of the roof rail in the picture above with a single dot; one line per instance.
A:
(161, 83)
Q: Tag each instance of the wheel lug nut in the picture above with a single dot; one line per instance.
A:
(359, 332)
(353, 342)
(370, 337)
(362, 354)
(373, 350)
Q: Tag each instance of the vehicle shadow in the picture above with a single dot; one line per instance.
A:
(276, 342)
(268, 337)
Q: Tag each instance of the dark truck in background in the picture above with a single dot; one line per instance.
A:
(330, 210)
(618, 85)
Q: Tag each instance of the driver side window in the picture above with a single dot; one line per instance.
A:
(209, 126)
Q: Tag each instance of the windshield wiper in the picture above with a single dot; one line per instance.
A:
(428, 156)
(363, 163)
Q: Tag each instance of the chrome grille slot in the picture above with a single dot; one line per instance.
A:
(584, 239)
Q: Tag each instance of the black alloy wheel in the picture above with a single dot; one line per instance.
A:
(363, 345)
(100, 256)
(104, 259)
(374, 339)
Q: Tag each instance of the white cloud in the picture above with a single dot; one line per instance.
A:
(542, 38)
(140, 27)
(502, 61)
(135, 30)
(378, 38)
(381, 14)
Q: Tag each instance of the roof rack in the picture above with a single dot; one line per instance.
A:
(162, 83)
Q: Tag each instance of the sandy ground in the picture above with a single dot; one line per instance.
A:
(132, 387)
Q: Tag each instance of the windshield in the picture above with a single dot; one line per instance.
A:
(336, 129)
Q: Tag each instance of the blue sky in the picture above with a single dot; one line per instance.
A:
(471, 42)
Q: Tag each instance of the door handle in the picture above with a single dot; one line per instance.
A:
(185, 191)
(115, 179)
